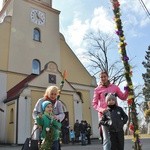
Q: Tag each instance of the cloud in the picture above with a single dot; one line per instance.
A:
(76, 32)
(102, 21)
(134, 12)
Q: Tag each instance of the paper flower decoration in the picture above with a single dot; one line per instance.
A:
(130, 101)
(47, 129)
(131, 127)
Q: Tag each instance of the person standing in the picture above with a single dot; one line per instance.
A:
(114, 118)
(83, 127)
(77, 130)
(65, 131)
(51, 127)
(72, 136)
(88, 134)
(99, 103)
(51, 95)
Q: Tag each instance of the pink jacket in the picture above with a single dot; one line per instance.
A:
(99, 102)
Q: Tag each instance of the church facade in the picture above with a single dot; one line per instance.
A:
(33, 56)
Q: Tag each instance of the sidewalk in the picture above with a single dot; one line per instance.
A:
(95, 145)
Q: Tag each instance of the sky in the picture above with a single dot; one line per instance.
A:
(80, 16)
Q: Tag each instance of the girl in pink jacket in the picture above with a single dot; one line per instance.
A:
(99, 102)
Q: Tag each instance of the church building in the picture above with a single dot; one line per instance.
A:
(33, 56)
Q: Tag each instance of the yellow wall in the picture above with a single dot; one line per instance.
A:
(76, 72)
(13, 79)
(35, 96)
(10, 125)
(69, 103)
(86, 107)
(4, 43)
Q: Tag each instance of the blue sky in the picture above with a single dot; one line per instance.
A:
(79, 16)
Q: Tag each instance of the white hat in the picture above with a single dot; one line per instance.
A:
(111, 96)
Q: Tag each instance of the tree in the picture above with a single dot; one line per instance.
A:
(99, 45)
(146, 89)
(146, 76)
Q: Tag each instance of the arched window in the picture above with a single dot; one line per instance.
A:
(36, 35)
(36, 66)
(11, 120)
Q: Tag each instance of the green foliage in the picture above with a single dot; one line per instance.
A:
(48, 141)
(146, 76)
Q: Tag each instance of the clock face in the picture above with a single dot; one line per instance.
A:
(37, 17)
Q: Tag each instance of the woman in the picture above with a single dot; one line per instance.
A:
(99, 102)
(51, 95)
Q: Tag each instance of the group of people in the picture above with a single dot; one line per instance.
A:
(48, 115)
(81, 131)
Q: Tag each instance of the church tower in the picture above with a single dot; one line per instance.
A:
(46, 2)
(34, 34)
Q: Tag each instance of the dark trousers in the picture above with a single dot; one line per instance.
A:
(117, 140)
(83, 140)
(55, 145)
(88, 139)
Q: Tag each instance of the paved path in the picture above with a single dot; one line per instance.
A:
(96, 145)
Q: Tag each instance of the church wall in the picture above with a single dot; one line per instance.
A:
(13, 79)
(69, 103)
(11, 123)
(4, 43)
(3, 83)
(24, 115)
(36, 94)
(86, 106)
(76, 71)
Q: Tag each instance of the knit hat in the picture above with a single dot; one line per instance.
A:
(112, 96)
(45, 103)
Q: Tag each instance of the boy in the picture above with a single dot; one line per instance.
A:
(114, 118)
(50, 128)
(72, 136)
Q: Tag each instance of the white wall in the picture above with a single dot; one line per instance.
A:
(24, 125)
(3, 84)
(94, 115)
(77, 108)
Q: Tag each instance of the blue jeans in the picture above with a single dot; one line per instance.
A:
(106, 139)
(55, 145)
(83, 140)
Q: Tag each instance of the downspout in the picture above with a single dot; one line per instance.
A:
(17, 114)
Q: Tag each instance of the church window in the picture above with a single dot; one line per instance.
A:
(11, 120)
(52, 78)
(36, 66)
(36, 35)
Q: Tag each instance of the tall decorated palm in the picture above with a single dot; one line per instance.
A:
(128, 73)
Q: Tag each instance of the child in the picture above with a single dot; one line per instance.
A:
(50, 127)
(72, 136)
(114, 118)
